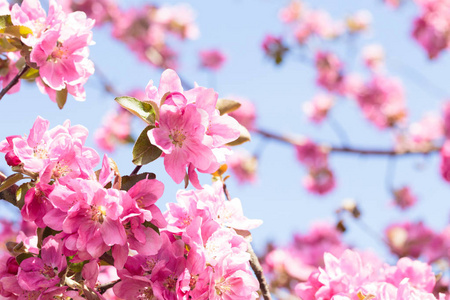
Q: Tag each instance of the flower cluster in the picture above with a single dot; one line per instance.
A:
(287, 266)
(432, 27)
(58, 46)
(189, 130)
(116, 129)
(362, 276)
(145, 30)
(211, 59)
(418, 241)
(202, 256)
(320, 178)
(317, 109)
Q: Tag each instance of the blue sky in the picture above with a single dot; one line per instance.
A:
(238, 27)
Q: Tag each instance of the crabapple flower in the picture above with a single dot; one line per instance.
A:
(431, 29)
(116, 129)
(355, 276)
(244, 166)
(330, 71)
(59, 46)
(404, 198)
(373, 56)
(382, 101)
(190, 131)
(274, 48)
(317, 109)
(245, 114)
(445, 161)
(39, 273)
(212, 59)
(56, 154)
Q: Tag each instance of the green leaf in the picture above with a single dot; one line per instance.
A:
(226, 106)
(143, 151)
(10, 180)
(21, 257)
(31, 74)
(138, 108)
(5, 20)
(129, 181)
(21, 192)
(61, 98)
(16, 31)
(243, 137)
(151, 225)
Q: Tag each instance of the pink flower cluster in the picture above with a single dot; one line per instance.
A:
(244, 166)
(432, 27)
(307, 22)
(245, 114)
(101, 11)
(202, 256)
(320, 178)
(418, 241)
(274, 48)
(382, 101)
(358, 276)
(287, 266)
(317, 109)
(212, 59)
(189, 129)
(330, 72)
(59, 46)
(404, 198)
(146, 31)
(445, 150)
(421, 136)
(116, 129)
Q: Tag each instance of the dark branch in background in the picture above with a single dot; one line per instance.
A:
(340, 132)
(14, 81)
(104, 287)
(106, 83)
(349, 150)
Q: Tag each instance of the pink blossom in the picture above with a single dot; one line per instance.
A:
(319, 181)
(445, 161)
(330, 71)
(116, 129)
(245, 114)
(244, 166)
(317, 109)
(404, 198)
(292, 12)
(431, 29)
(311, 155)
(373, 56)
(382, 101)
(212, 59)
(190, 131)
(274, 48)
(446, 119)
(40, 273)
(101, 11)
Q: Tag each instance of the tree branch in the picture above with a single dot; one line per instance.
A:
(349, 150)
(14, 81)
(256, 266)
(136, 170)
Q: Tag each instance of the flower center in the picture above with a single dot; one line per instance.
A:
(146, 294)
(98, 213)
(177, 136)
(222, 287)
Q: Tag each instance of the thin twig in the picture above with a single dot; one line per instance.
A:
(102, 288)
(339, 131)
(256, 266)
(349, 150)
(14, 81)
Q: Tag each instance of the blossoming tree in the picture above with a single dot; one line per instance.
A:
(82, 229)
